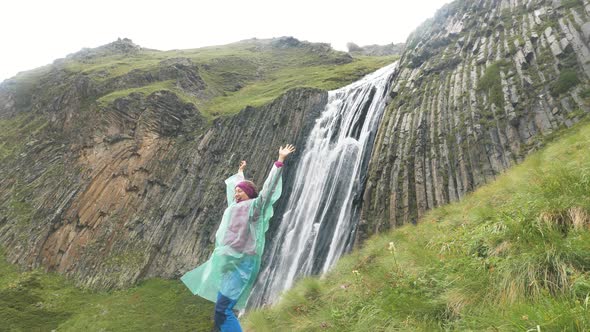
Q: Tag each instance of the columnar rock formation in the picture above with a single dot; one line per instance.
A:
(478, 88)
(110, 194)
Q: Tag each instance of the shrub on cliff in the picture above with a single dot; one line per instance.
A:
(490, 83)
(568, 78)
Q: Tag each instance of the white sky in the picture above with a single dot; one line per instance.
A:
(34, 33)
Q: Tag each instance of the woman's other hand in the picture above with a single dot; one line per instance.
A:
(242, 166)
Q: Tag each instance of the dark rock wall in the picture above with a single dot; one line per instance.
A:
(108, 195)
(478, 88)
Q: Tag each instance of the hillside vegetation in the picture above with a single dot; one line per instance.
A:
(219, 80)
(514, 255)
(37, 301)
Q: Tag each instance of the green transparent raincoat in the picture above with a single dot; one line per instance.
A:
(239, 242)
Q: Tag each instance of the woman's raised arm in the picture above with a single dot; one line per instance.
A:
(271, 190)
(232, 181)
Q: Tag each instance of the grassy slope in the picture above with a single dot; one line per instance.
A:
(514, 255)
(36, 301)
(247, 73)
(327, 77)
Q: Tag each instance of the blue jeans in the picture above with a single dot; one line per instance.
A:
(225, 319)
(233, 285)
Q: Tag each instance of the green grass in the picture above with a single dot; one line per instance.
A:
(147, 90)
(17, 131)
(247, 73)
(511, 256)
(327, 77)
(106, 67)
(37, 301)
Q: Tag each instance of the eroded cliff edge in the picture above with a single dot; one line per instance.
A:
(479, 87)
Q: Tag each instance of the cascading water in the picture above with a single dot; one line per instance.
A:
(322, 212)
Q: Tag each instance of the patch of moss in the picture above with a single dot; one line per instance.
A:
(585, 93)
(21, 211)
(567, 4)
(15, 132)
(568, 78)
(491, 83)
(129, 258)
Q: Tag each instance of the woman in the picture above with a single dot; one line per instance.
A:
(227, 277)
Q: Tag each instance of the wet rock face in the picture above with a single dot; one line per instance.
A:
(478, 88)
(111, 194)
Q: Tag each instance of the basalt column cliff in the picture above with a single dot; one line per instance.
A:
(109, 192)
(480, 86)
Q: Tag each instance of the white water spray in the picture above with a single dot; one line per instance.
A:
(322, 211)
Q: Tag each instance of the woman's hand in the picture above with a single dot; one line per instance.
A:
(285, 151)
(242, 166)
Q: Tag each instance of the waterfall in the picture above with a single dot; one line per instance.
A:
(322, 209)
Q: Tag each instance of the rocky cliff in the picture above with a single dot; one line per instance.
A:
(479, 87)
(110, 190)
(140, 196)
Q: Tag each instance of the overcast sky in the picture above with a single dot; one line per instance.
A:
(34, 33)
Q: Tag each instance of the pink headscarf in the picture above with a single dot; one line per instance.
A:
(248, 188)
